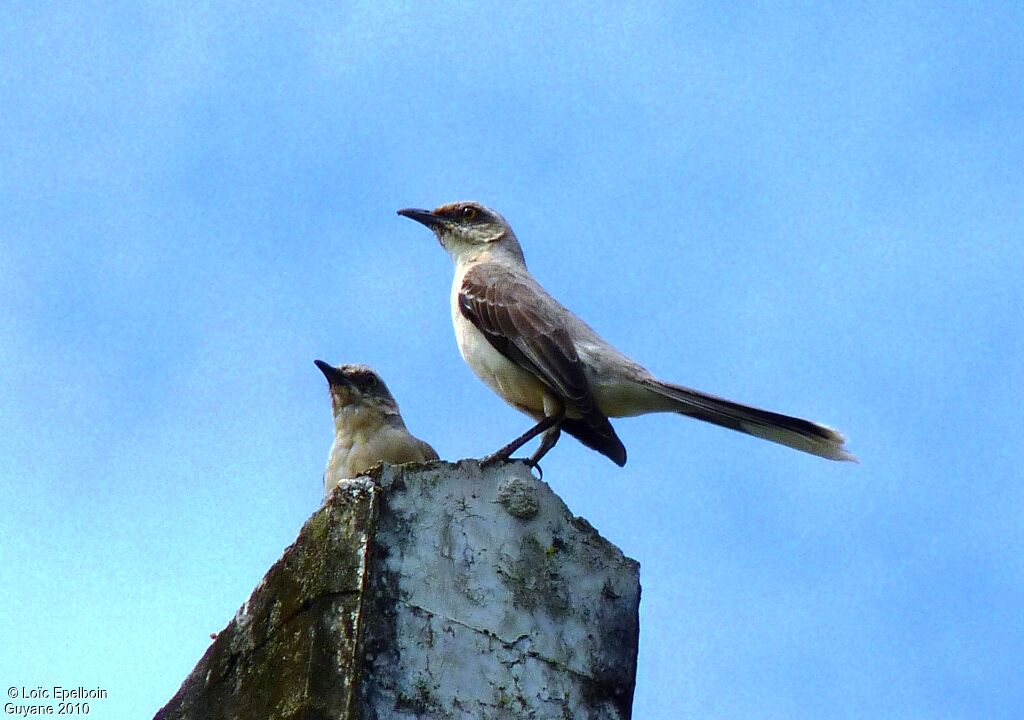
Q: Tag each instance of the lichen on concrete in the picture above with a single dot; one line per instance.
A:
(289, 652)
(519, 498)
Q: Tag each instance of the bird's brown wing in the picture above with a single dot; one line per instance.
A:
(511, 313)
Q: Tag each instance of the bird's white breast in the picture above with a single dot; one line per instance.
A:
(362, 438)
(516, 386)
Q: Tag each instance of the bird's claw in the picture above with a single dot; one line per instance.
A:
(495, 458)
(534, 465)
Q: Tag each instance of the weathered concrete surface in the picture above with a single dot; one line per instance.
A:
(436, 591)
(291, 649)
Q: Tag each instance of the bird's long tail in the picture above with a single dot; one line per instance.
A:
(783, 429)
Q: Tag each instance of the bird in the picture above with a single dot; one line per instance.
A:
(368, 427)
(548, 363)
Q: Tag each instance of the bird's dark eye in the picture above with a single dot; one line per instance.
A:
(371, 381)
(469, 213)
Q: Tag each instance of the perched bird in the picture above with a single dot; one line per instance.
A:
(540, 358)
(368, 428)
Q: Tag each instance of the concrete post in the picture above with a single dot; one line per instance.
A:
(431, 591)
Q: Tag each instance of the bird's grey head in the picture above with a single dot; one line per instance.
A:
(467, 229)
(356, 386)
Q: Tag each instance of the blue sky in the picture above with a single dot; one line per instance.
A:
(801, 206)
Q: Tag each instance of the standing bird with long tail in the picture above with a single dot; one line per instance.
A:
(542, 359)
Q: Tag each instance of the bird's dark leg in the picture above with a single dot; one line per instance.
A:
(546, 443)
(547, 424)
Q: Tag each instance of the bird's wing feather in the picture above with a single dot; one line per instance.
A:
(510, 312)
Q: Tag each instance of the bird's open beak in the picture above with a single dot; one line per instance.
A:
(331, 373)
(421, 216)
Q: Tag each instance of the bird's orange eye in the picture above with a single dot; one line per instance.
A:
(469, 213)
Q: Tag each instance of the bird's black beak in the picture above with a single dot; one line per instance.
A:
(421, 216)
(331, 373)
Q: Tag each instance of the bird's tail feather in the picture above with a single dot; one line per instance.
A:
(791, 431)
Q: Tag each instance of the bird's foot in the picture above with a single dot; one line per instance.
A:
(500, 457)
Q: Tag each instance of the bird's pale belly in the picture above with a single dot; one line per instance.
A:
(516, 386)
(356, 450)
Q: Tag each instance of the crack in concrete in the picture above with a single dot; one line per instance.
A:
(508, 644)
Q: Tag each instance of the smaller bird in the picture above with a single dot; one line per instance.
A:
(368, 427)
